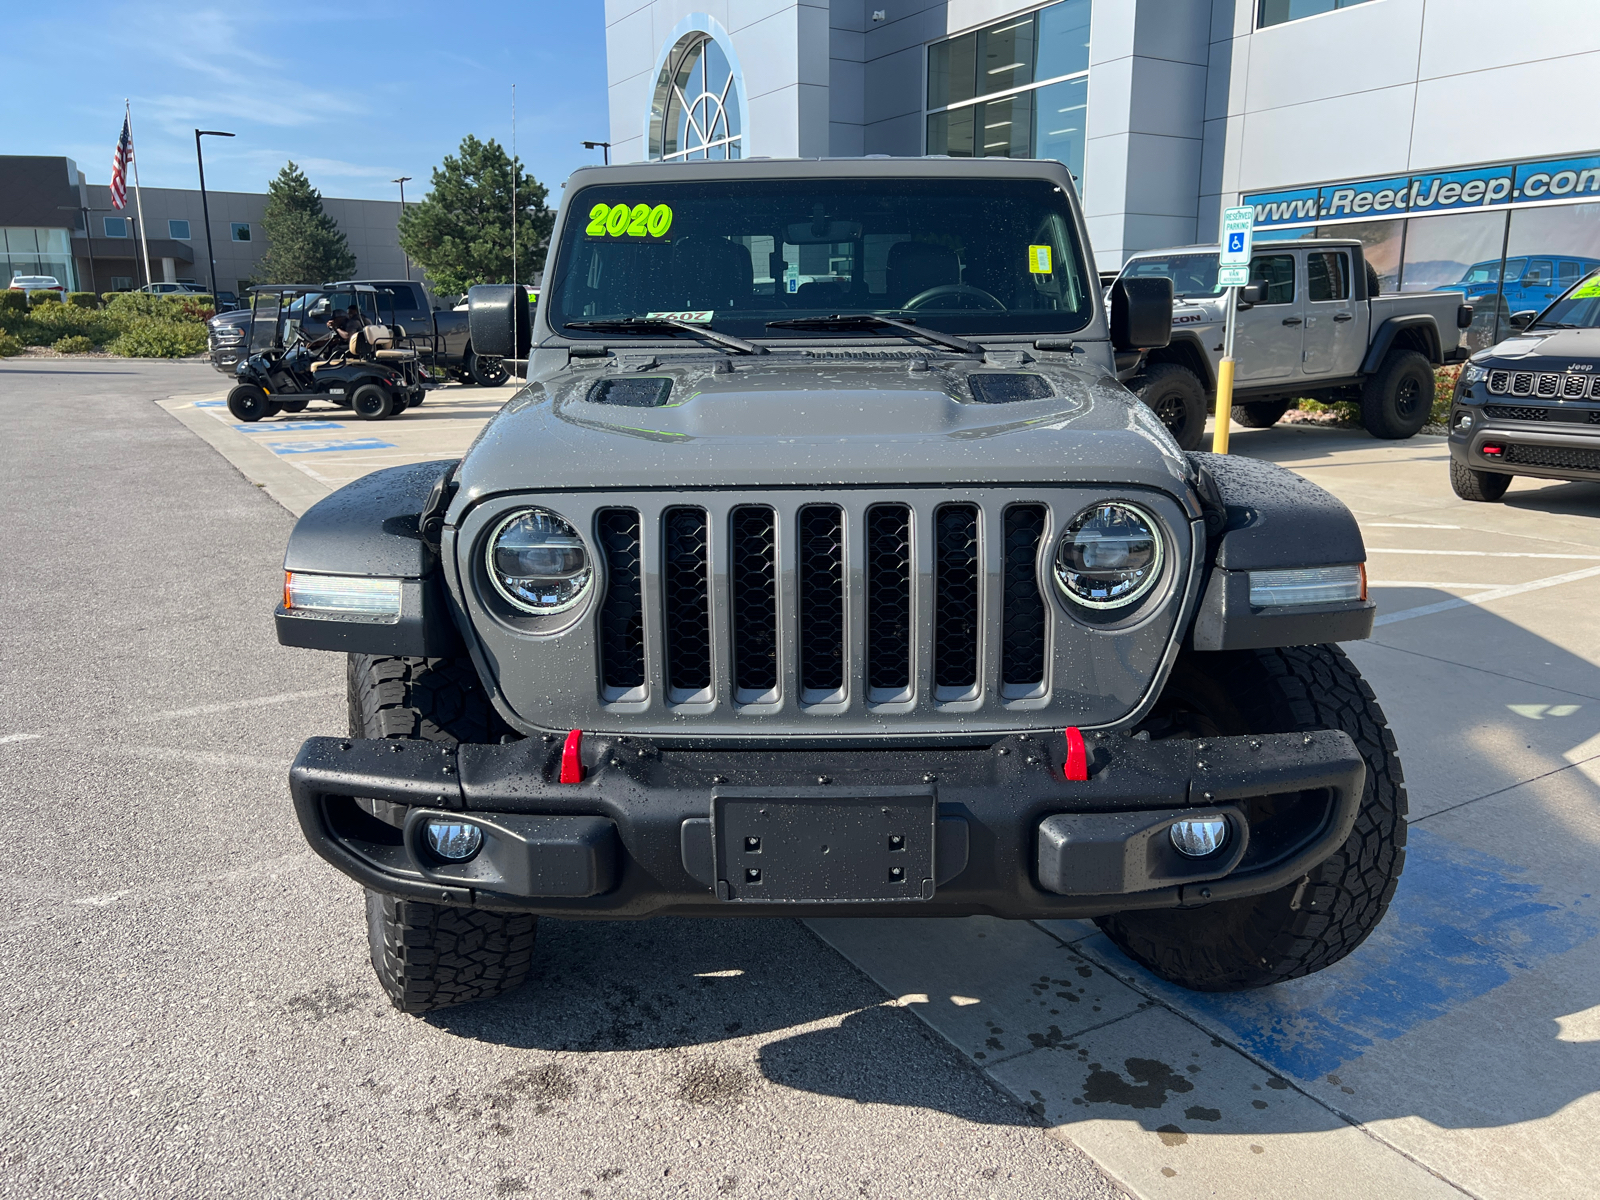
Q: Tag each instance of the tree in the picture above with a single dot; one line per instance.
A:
(461, 230)
(304, 244)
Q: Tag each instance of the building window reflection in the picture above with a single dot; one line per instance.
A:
(696, 110)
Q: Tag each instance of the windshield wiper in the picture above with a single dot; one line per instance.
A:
(662, 324)
(871, 321)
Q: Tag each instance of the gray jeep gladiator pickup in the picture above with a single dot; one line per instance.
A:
(1314, 326)
(823, 568)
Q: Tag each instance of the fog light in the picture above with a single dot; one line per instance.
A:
(1464, 421)
(454, 841)
(1201, 836)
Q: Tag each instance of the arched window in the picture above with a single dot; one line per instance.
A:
(695, 113)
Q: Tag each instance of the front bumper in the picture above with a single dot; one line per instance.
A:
(1563, 444)
(914, 832)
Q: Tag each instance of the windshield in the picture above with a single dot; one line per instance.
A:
(963, 256)
(1191, 274)
(1578, 309)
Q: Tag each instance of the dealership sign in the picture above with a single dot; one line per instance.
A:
(1444, 191)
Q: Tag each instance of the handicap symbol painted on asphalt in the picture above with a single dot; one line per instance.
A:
(1462, 924)
(1236, 243)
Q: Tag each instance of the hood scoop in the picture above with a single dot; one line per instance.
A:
(646, 391)
(995, 387)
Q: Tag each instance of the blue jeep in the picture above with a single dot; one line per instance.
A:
(1531, 281)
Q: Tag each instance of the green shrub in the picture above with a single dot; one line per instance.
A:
(48, 323)
(83, 300)
(76, 344)
(1444, 390)
(9, 345)
(38, 298)
(13, 300)
(149, 337)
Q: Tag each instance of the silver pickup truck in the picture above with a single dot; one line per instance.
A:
(1317, 328)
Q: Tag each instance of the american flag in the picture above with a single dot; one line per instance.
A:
(119, 167)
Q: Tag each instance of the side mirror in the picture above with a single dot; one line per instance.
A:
(498, 320)
(1141, 313)
(1521, 320)
(1252, 294)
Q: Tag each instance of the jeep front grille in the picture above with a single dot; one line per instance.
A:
(826, 612)
(1544, 385)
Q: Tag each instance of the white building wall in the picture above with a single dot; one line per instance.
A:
(1390, 86)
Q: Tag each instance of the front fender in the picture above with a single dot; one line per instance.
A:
(373, 528)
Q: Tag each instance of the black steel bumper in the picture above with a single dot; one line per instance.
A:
(914, 832)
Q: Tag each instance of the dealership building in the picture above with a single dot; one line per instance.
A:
(1438, 133)
(53, 221)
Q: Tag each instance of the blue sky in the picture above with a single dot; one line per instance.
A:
(357, 94)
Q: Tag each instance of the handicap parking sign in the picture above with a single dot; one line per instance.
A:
(1237, 226)
(1236, 243)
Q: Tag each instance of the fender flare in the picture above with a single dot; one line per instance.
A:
(1384, 339)
(384, 526)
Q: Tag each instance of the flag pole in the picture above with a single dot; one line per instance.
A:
(138, 196)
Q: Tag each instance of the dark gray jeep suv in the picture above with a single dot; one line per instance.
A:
(823, 568)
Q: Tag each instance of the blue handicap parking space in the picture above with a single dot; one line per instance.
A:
(1462, 923)
(211, 404)
(310, 447)
(289, 427)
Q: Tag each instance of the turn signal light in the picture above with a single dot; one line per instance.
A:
(341, 593)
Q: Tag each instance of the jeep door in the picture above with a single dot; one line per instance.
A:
(1334, 335)
(1267, 336)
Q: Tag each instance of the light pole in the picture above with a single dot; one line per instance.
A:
(88, 240)
(606, 147)
(205, 208)
(402, 181)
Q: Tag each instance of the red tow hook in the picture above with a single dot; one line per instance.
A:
(571, 764)
(1077, 756)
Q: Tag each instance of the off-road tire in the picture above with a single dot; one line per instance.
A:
(428, 956)
(247, 402)
(1483, 486)
(1175, 395)
(1397, 399)
(1316, 920)
(1374, 284)
(1259, 414)
(487, 372)
(372, 403)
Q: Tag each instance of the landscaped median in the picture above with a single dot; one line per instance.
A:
(127, 324)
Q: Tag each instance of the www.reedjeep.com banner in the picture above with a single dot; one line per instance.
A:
(1435, 192)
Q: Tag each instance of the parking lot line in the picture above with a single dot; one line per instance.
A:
(1474, 553)
(1499, 593)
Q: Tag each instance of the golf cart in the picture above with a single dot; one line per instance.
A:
(315, 342)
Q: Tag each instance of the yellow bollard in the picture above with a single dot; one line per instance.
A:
(1219, 432)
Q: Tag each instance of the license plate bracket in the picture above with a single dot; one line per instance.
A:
(872, 845)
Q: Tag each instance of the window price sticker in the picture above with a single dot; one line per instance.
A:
(629, 221)
(699, 316)
(1039, 260)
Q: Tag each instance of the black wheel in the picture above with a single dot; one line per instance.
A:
(1485, 486)
(1260, 414)
(1397, 399)
(293, 406)
(372, 403)
(1178, 398)
(1318, 919)
(485, 371)
(247, 402)
(428, 956)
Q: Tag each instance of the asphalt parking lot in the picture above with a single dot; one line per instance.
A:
(187, 1009)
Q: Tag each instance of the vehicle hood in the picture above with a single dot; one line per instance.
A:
(239, 316)
(822, 419)
(1541, 351)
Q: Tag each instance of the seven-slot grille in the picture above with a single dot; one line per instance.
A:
(832, 553)
(1544, 385)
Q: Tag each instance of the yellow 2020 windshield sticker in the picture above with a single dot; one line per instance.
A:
(1588, 289)
(1039, 260)
(629, 221)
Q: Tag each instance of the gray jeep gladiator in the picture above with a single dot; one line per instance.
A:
(1312, 325)
(823, 568)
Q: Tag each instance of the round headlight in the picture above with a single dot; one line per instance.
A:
(538, 562)
(1109, 556)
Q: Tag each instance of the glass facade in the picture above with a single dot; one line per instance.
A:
(1277, 12)
(1017, 89)
(31, 251)
(695, 113)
